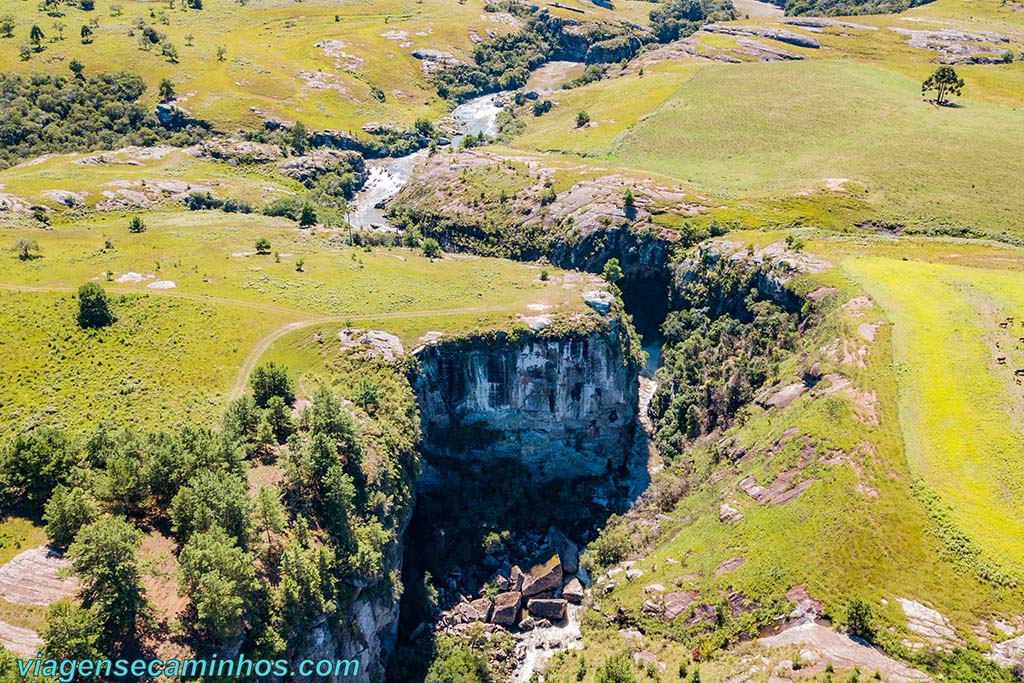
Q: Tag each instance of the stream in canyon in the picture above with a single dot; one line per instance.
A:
(387, 176)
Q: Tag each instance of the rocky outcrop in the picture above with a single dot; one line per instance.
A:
(580, 227)
(561, 406)
(780, 34)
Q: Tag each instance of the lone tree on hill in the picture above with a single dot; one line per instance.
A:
(263, 246)
(166, 90)
(36, 35)
(26, 249)
(94, 306)
(307, 217)
(945, 82)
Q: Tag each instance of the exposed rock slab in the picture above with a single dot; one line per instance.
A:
(780, 34)
(31, 578)
(506, 608)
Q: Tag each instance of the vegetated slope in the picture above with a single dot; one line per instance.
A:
(956, 341)
(838, 8)
(820, 486)
(758, 131)
(235, 64)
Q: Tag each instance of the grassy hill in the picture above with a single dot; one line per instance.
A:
(880, 483)
(839, 137)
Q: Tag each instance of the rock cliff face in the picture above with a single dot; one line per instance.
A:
(366, 630)
(561, 406)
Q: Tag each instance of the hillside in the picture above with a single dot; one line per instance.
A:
(508, 342)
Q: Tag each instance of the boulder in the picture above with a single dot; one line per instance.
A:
(568, 553)
(550, 609)
(634, 574)
(678, 602)
(506, 608)
(543, 577)
(573, 591)
(515, 580)
(482, 608)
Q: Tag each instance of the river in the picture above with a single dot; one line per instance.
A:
(387, 176)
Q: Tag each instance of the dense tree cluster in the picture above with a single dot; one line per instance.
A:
(839, 8)
(52, 113)
(257, 569)
(679, 18)
(499, 63)
(721, 345)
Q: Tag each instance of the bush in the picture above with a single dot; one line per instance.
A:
(616, 669)
(541, 107)
(94, 309)
(263, 246)
(136, 225)
(582, 119)
(431, 249)
(859, 618)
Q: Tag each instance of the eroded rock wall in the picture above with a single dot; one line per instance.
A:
(562, 406)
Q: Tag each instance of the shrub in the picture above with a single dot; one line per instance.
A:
(616, 669)
(859, 618)
(136, 225)
(431, 249)
(582, 118)
(94, 309)
(26, 249)
(263, 246)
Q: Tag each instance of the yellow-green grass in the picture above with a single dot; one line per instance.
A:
(764, 131)
(268, 45)
(31, 180)
(960, 411)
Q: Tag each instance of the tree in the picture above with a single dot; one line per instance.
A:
(94, 307)
(188, 39)
(431, 249)
(26, 249)
(103, 557)
(612, 270)
(168, 50)
(219, 578)
(25, 52)
(136, 225)
(299, 264)
(858, 619)
(307, 217)
(944, 81)
(36, 35)
(221, 51)
(86, 35)
(628, 200)
(7, 25)
(269, 380)
(59, 27)
(263, 246)
(34, 464)
(67, 511)
(297, 137)
(76, 68)
(269, 513)
(71, 633)
(212, 499)
(166, 90)
(582, 119)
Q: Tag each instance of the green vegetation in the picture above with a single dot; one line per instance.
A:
(57, 114)
(944, 82)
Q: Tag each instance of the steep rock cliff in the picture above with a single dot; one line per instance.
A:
(561, 405)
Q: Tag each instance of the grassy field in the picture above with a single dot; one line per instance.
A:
(175, 351)
(272, 62)
(960, 411)
(763, 131)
